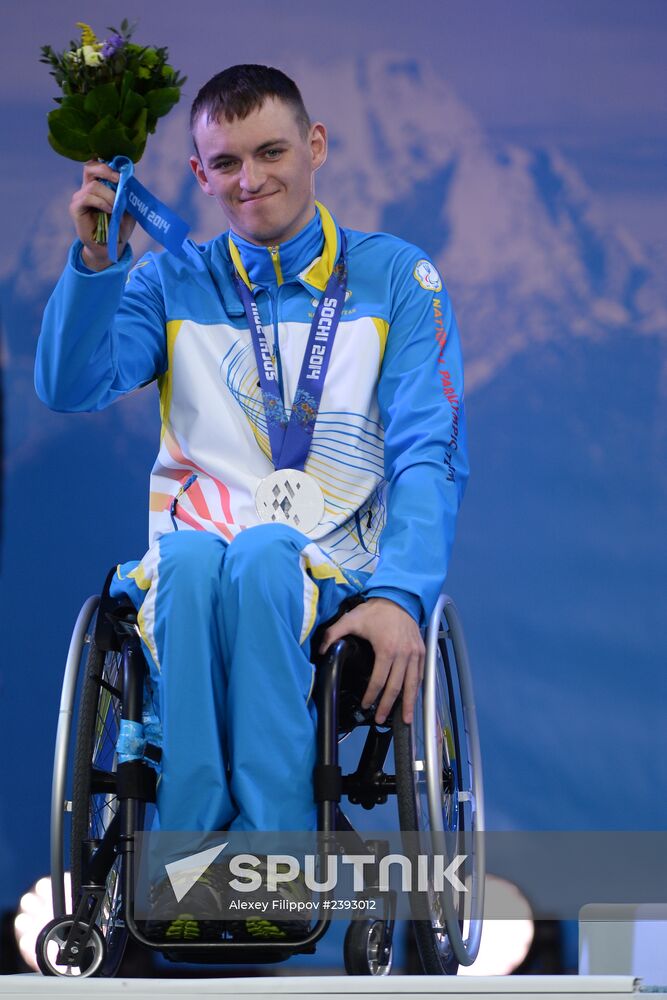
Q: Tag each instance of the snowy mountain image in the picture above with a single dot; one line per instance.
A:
(522, 246)
(559, 567)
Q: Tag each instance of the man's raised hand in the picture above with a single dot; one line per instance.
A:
(93, 197)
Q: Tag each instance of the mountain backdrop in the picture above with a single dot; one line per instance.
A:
(559, 569)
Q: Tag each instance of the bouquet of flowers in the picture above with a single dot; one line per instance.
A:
(113, 94)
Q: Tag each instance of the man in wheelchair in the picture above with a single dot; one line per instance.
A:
(312, 450)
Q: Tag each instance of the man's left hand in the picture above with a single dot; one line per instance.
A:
(399, 653)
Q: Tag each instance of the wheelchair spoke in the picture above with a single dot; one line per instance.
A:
(111, 907)
(108, 713)
(114, 691)
(108, 727)
(100, 816)
(94, 800)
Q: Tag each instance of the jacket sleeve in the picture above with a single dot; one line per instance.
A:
(102, 334)
(420, 394)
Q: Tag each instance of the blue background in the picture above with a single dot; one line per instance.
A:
(524, 146)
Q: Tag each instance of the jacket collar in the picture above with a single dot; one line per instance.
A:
(269, 266)
(318, 272)
(225, 256)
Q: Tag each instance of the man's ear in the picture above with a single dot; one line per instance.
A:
(198, 171)
(318, 144)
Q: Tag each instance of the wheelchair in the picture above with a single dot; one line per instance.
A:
(99, 805)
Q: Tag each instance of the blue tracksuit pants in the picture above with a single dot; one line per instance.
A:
(226, 629)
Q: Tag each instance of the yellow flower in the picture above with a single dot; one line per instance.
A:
(87, 34)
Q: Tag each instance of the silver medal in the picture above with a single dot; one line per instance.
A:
(289, 496)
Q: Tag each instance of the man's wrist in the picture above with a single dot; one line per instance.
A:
(80, 262)
(409, 602)
(91, 262)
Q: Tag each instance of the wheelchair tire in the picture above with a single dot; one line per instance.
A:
(362, 949)
(439, 792)
(94, 805)
(51, 939)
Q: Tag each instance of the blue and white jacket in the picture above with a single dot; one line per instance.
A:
(389, 445)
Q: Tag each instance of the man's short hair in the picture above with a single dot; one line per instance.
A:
(240, 90)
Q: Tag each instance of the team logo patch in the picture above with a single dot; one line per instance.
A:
(427, 276)
(348, 296)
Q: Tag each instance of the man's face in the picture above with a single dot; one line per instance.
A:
(260, 170)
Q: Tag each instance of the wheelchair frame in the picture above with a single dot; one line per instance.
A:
(446, 775)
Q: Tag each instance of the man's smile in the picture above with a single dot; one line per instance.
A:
(257, 197)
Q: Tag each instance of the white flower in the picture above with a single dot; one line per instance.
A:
(88, 54)
(91, 55)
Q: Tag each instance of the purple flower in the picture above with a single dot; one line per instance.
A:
(111, 46)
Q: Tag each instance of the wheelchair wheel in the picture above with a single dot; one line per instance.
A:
(439, 791)
(363, 950)
(61, 805)
(93, 802)
(52, 938)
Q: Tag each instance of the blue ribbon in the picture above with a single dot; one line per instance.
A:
(290, 440)
(154, 216)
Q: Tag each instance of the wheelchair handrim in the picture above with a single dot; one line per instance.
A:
(467, 763)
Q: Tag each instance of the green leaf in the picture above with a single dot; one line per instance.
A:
(72, 115)
(132, 106)
(160, 102)
(75, 101)
(71, 154)
(126, 86)
(139, 147)
(68, 130)
(109, 138)
(103, 100)
(139, 130)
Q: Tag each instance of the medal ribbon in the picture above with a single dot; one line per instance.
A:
(290, 440)
(152, 215)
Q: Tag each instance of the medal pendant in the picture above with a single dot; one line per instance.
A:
(288, 496)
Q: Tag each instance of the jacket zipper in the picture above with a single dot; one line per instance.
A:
(275, 258)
